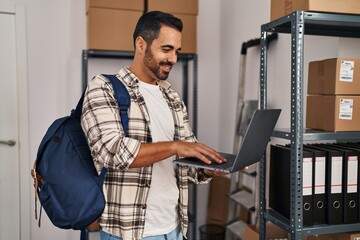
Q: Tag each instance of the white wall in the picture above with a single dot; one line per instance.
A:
(240, 22)
(56, 35)
(208, 42)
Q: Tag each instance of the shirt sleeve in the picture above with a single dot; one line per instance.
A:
(101, 124)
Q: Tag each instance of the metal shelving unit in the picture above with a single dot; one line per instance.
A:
(184, 59)
(298, 24)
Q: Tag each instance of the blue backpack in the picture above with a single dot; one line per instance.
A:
(65, 179)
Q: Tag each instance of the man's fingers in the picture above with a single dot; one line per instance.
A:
(200, 151)
(207, 152)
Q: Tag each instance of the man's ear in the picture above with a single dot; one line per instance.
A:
(140, 44)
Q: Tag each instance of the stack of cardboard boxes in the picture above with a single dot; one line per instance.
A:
(333, 84)
(111, 23)
(333, 102)
(281, 8)
(187, 11)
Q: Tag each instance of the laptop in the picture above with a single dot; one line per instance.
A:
(253, 146)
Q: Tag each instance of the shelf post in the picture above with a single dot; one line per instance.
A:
(84, 69)
(263, 100)
(195, 91)
(297, 125)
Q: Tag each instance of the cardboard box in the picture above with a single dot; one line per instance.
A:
(336, 236)
(188, 36)
(218, 201)
(111, 23)
(251, 232)
(111, 29)
(132, 5)
(333, 113)
(281, 8)
(187, 11)
(174, 6)
(336, 76)
(352, 236)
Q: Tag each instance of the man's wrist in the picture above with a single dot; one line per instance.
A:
(204, 173)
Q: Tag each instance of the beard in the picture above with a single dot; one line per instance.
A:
(155, 67)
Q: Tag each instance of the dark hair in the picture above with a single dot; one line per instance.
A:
(149, 24)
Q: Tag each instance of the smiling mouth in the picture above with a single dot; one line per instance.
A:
(167, 67)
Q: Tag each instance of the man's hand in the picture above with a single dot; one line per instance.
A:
(200, 151)
(151, 153)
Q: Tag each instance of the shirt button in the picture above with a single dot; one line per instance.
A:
(147, 185)
(143, 207)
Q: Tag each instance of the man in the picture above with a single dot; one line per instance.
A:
(146, 194)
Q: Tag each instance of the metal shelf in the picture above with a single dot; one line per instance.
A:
(298, 24)
(283, 222)
(314, 135)
(322, 24)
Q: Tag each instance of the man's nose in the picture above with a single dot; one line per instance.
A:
(172, 58)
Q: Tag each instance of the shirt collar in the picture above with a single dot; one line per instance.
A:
(131, 80)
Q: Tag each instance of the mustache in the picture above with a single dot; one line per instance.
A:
(166, 63)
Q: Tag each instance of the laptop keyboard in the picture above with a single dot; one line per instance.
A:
(228, 156)
(230, 159)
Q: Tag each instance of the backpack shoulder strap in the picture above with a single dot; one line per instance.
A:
(76, 113)
(123, 98)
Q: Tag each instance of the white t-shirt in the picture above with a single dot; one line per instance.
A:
(161, 212)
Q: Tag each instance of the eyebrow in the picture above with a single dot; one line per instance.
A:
(170, 46)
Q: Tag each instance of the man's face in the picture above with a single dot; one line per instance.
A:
(161, 55)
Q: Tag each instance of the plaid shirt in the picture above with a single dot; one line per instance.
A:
(126, 189)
